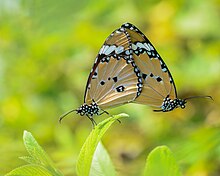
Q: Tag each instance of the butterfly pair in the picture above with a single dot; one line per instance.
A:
(128, 69)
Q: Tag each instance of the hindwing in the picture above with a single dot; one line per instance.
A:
(157, 79)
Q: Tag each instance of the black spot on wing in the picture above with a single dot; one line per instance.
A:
(115, 79)
(102, 83)
(158, 79)
(120, 88)
(144, 76)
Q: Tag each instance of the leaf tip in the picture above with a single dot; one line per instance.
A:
(26, 133)
(120, 116)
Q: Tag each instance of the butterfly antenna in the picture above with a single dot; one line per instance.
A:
(157, 110)
(64, 115)
(199, 97)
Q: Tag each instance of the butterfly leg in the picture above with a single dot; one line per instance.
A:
(103, 111)
(118, 121)
(93, 121)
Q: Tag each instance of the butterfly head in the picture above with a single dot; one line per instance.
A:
(169, 104)
(84, 109)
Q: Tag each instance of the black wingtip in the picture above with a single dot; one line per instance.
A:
(127, 25)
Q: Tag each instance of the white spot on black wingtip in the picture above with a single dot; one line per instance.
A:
(95, 75)
(126, 24)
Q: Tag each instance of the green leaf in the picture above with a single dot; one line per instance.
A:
(35, 150)
(161, 162)
(37, 155)
(86, 154)
(101, 163)
(29, 170)
(28, 159)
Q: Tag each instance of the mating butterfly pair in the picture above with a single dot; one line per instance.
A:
(128, 69)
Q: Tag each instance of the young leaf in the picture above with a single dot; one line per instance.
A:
(37, 155)
(161, 162)
(35, 150)
(29, 170)
(85, 157)
(28, 159)
(39, 161)
(101, 163)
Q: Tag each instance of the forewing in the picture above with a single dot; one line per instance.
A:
(113, 83)
(114, 79)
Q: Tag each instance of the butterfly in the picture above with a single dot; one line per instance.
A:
(128, 69)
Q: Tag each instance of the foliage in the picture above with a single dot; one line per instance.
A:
(93, 157)
(39, 162)
(161, 162)
(86, 153)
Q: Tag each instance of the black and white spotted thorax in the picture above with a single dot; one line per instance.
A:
(88, 110)
(169, 104)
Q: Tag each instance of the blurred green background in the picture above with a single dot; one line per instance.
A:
(47, 49)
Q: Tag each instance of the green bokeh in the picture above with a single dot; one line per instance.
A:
(47, 49)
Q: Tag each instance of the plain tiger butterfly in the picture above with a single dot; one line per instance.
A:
(128, 69)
